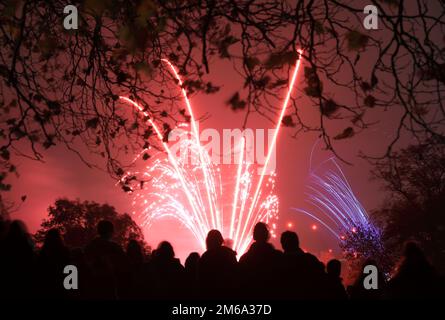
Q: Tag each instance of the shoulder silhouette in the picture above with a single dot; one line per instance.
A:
(357, 290)
(260, 266)
(334, 283)
(217, 268)
(52, 258)
(107, 272)
(107, 261)
(303, 273)
(18, 262)
(167, 275)
(415, 277)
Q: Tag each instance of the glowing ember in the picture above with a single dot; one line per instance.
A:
(192, 191)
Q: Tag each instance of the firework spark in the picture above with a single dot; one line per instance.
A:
(339, 210)
(192, 191)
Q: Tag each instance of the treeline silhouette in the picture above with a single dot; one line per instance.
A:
(107, 271)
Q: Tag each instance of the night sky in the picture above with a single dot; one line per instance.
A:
(63, 174)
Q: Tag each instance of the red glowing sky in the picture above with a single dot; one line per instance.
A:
(64, 175)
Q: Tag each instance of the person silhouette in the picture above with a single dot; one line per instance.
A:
(303, 273)
(260, 266)
(85, 280)
(416, 278)
(135, 254)
(51, 261)
(18, 263)
(107, 260)
(134, 264)
(191, 274)
(103, 245)
(166, 274)
(217, 269)
(191, 265)
(334, 283)
(357, 290)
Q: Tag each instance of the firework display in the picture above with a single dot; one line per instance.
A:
(160, 151)
(192, 191)
(334, 204)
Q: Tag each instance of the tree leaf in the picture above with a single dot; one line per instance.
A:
(356, 40)
(251, 62)
(329, 107)
(288, 121)
(223, 46)
(92, 123)
(4, 153)
(314, 85)
(347, 133)
(280, 59)
(370, 101)
(236, 103)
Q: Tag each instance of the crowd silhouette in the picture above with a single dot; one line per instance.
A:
(107, 271)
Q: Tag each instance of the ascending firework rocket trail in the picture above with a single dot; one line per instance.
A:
(192, 192)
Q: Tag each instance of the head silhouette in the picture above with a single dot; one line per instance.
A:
(19, 240)
(413, 252)
(289, 241)
(214, 239)
(105, 229)
(334, 268)
(134, 249)
(192, 261)
(261, 232)
(17, 230)
(165, 251)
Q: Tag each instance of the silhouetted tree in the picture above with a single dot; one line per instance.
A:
(362, 244)
(415, 180)
(8, 207)
(4, 209)
(77, 222)
(5, 168)
(61, 86)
